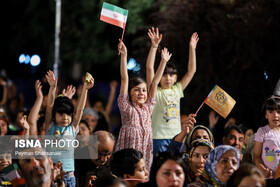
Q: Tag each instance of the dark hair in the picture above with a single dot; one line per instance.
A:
(5, 149)
(232, 127)
(135, 82)
(63, 104)
(243, 171)
(271, 103)
(125, 161)
(170, 69)
(160, 159)
(86, 123)
(40, 123)
(109, 181)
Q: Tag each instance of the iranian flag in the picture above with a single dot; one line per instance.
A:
(114, 15)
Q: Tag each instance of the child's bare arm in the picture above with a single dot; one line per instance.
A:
(5, 92)
(113, 86)
(155, 38)
(82, 102)
(258, 161)
(192, 61)
(124, 74)
(51, 97)
(165, 56)
(33, 115)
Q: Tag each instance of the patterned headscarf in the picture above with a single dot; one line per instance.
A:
(200, 142)
(189, 137)
(214, 158)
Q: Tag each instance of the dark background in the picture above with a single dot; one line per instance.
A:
(239, 42)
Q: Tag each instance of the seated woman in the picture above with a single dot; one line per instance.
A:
(168, 169)
(196, 158)
(129, 165)
(247, 175)
(222, 162)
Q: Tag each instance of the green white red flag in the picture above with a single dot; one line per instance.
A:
(114, 15)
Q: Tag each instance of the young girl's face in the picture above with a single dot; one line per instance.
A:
(63, 119)
(140, 172)
(4, 127)
(138, 94)
(273, 117)
(5, 160)
(168, 80)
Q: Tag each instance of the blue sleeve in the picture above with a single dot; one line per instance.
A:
(175, 146)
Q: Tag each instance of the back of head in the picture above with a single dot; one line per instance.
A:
(245, 170)
(125, 161)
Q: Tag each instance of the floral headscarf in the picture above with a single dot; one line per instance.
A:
(188, 139)
(214, 158)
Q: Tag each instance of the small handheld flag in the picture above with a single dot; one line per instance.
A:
(219, 101)
(12, 175)
(114, 15)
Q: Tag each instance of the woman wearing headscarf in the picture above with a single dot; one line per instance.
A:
(196, 158)
(222, 162)
(188, 134)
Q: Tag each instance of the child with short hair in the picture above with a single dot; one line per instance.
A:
(136, 107)
(267, 138)
(62, 118)
(5, 160)
(166, 115)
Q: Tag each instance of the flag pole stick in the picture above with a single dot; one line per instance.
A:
(199, 108)
(275, 165)
(122, 38)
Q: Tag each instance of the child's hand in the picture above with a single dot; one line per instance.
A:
(51, 78)
(194, 40)
(69, 91)
(165, 55)
(89, 84)
(154, 36)
(38, 89)
(57, 171)
(3, 82)
(267, 172)
(23, 123)
(122, 48)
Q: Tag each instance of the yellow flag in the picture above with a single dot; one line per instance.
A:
(220, 101)
(277, 175)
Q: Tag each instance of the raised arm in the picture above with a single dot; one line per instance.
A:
(33, 115)
(24, 124)
(5, 92)
(82, 102)
(124, 74)
(192, 61)
(165, 56)
(51, 97)
(155, 38)
(109, 106)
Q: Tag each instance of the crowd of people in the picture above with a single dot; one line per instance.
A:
(157, 145)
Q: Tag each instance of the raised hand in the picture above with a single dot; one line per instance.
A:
(154, 36)
(188, 124)
(69, 91)
(165, 55)
(89, 84)
(51, 78)
(23, 123)
(38, 88)
(113, 84)
(122, 48)
(193, 41)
